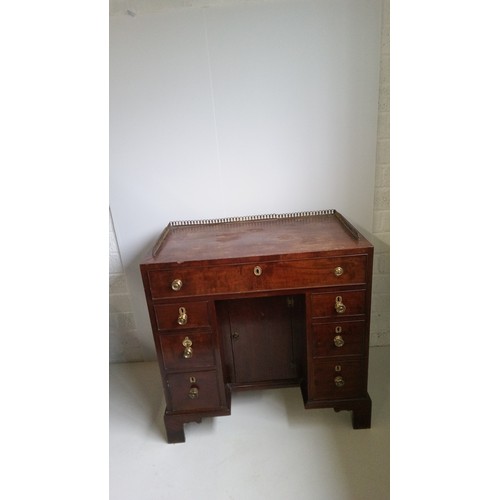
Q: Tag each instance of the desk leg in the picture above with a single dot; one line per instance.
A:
(361, 411)
(362, 416)
(174, 425)
(175, 429)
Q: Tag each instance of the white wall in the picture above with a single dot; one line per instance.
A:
(240, 109)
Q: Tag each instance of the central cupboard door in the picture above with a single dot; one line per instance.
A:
(261, 339)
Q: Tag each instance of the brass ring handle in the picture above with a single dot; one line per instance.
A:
(193, 392)
(188, 350)
(183, 318)
(338, 271)
(338, 341)
(339, 381)
(176, 285)
(339, 306)
(257, 270)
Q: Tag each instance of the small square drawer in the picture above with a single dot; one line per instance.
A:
(338, 379)
(195, 390)
(182, 315)
(341, 338)
(338, 304)
(187, 351)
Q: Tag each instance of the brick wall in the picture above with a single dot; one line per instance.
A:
(380, 296)
(123, 341)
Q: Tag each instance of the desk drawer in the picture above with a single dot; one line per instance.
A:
(187, 351)
(338, 379)
(235, 278)
(195, 390)
(329, 305)
(190, 314)
(334, 339)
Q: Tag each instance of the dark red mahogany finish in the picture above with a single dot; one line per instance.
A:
(260, 302)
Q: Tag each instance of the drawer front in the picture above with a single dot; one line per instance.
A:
(194, 391)
(327, 305)
(338, 379)
(187, 351)
(170, 316)
(346, 338)
(257, 277)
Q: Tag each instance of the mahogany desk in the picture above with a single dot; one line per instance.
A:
(260, 302)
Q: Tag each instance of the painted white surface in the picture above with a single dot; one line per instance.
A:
(240, 110)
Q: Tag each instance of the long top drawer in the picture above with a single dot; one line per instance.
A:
(182, 281)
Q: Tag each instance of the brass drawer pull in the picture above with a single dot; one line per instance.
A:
(188, 350)
(257, 270)
(338, 271)
(183, 317)
(339, 306)
(339, 381)
(176, 285)
(338, 341)
(193, 392)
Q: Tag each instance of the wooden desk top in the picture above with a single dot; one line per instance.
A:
(303, 235)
